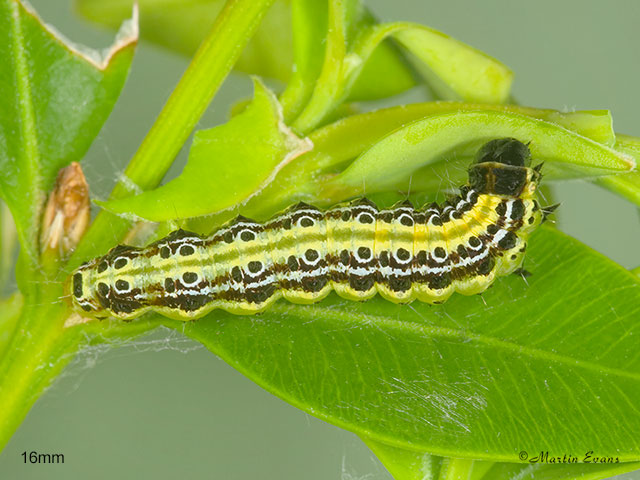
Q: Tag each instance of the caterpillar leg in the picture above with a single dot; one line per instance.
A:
(522, 272)
(548, 210)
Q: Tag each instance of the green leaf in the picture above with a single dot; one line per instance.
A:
(54, 98)
(181, 26)
(451, 68)
(227, 165)
(351, 136)
(211, 64)
(552, 365)
(337, 144)
(426, 141)
(385, 72)
(454, 70)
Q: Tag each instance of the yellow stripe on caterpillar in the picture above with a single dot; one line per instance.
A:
(356, 249)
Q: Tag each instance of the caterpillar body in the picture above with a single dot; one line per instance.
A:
(355, 249)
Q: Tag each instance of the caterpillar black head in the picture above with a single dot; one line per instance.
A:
(507, 151)
(502, 167)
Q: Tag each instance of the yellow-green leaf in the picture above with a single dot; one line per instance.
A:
(54, 98)
(227, 165)
(423, 142)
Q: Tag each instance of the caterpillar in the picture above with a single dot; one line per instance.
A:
(355, 249)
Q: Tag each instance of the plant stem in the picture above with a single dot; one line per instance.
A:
(8, 244)
(10, 308)
(456, 469)
(38, 351)
(465, 469)
(627, 185)
(309, 22)
(329, 84)
(405, 464)
(217, 54)
(41, 346)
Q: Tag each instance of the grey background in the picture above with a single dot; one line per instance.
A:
(167, 408)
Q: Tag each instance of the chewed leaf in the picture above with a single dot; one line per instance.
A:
(54, 98)
(426, 141)
(227, 165)
(337, 144)
(544, 362)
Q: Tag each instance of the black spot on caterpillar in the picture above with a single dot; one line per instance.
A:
(356, 249)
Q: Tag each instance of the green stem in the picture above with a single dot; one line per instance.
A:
(38, 351)
(464, 469)
(626, 185)
(405, 464)
(329, 83)
(10, 309)
(8, 244)
(636, 271)
(217, 54)
(309, 22)
(456, 469)
(294, 97)
(41, 346)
